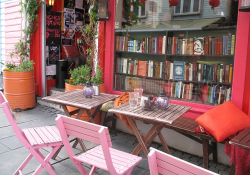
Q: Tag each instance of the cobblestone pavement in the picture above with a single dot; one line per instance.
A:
(12, 152)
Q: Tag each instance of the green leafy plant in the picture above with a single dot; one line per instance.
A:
(80, 75)
(21, 50)
(97, 77)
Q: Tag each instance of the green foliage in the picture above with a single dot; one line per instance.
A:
(30, 8)
(97, 77)
(24, 66)
(79, 75)
(130, 17)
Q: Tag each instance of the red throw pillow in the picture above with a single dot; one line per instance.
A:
(71, 51)
(224, 121)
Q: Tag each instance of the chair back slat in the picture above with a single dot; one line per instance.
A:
(168, 164)
(86, 131)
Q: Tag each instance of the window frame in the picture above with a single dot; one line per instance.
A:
(191, 9)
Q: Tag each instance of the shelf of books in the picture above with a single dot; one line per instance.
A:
(195, 66)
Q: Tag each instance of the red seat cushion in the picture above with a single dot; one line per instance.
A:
(224, 121)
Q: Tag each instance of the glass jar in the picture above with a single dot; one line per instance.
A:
(88, 90)
(162, 101)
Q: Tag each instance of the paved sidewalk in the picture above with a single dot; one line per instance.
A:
(12, 152)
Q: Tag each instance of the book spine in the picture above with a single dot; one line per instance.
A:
(221, 73)
(218, 73)
(232, 44)
(215, 72)
(187, 72)
(199, 72)
(204, 73)
(191, 47)
(164, 45)
(230, 73)
(190, 72)
(209, 45)
(227, 67)
(160, 38)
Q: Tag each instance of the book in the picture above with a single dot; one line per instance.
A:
(191, 85)
(191, 46)
(227, 67)
(164, 45)
(160, 43)
(198, 45)
(206, 45)
(117, 42)
(232, 44)
(142, 68)
(230, 73)
(204, 93)
(179, 70)
(221, 73)
(199, 71)
(171, 71)
(178, 89)
(183, 91)
(190, 72)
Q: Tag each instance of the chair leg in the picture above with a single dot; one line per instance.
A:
(92, 171)
(79, 166)
(23, 164)
(44, 162)
(43, 157)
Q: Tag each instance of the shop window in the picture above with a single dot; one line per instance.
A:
(187, 7)
(141, 11)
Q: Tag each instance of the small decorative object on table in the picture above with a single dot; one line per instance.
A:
(148, 105)
(88, 90)
(96, 89)
(162, 101)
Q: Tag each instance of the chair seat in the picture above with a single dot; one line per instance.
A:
(122, 161)
(42, 135)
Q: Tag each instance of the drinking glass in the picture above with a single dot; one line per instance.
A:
(133, 99)
(140, 91)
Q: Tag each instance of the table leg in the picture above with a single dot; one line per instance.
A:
(151, 134)
(163, 142)
(91, 117)
(138, 135)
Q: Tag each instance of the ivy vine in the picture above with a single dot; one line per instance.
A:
(30, 9)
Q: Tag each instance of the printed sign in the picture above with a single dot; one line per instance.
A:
(51, 70)
(53, 28)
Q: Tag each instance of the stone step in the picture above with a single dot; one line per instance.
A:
(53, 91)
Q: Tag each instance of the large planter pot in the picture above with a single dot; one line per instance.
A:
(19, 89)
(84, 116)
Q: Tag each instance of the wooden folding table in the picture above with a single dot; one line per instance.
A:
(242, 140)
(75, 98)
(158, 117)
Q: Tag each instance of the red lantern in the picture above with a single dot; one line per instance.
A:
(214, 3)
(173, 3)
(142, 0)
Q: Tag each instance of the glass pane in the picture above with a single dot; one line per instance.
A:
(186, 6)
(143, 12)
(196, 5)
(136, 11)
(167, 52)
(178, 8)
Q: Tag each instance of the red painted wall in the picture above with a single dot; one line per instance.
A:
(241, 77)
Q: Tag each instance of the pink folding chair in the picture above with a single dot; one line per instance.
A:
(162, 163)
(34, 139)
(102, 156)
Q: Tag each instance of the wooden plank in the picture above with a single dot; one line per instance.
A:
(75, 98)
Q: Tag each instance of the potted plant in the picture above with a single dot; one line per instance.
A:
(18, 77)
(79, 76)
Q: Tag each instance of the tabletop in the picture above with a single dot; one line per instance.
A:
(76, 98)
(167, 115)
(242, 139)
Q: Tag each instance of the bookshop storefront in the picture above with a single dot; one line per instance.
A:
(198, 55)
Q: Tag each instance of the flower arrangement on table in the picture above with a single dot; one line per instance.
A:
(80, 75)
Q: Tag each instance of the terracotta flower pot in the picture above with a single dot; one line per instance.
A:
(19, 89)
(84, 116)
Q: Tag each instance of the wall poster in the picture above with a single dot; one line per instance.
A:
(53, 28)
